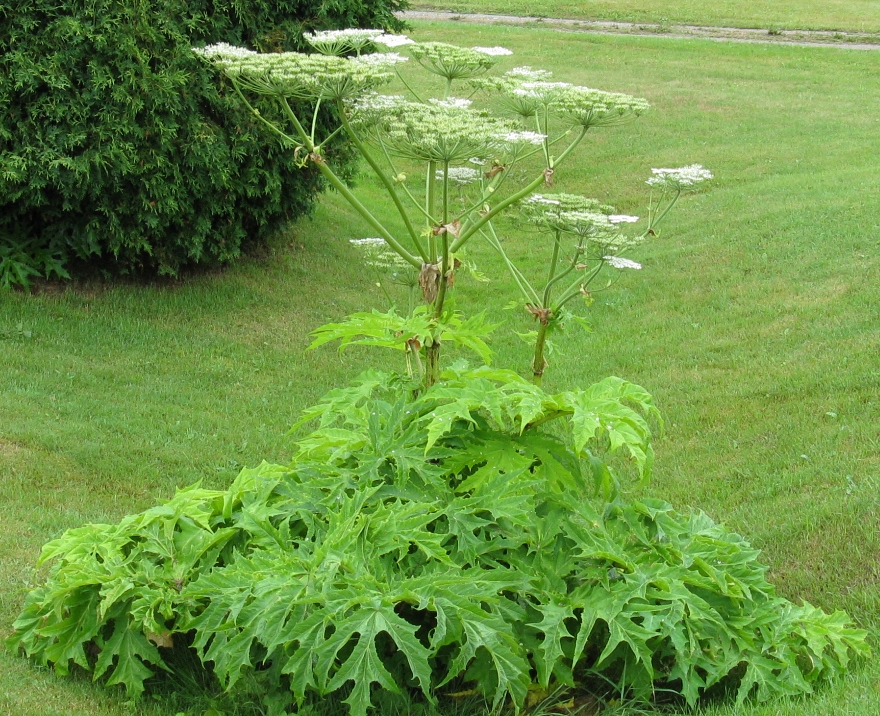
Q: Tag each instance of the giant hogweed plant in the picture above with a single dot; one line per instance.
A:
(445, 530)
(446, 164)
(429, 543)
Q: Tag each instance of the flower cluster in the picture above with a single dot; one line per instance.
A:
(451, 62)
(588, 107)
(522, 138)
(619, 262)
(569, 214)
(460, 176)
(526, 92)
(678, 179)
(443, 132)
(528, 74)
(298, 75)
(370, 108)
(393, 40)
(223, 50)
(341, 42)
(380, 59)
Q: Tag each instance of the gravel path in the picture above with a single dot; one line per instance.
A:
(804, 38)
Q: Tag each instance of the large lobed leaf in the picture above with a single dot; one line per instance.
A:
(424, 543)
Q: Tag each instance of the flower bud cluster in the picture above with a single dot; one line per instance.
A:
(393, 40)
(342, 42)
(461, 176)
(446, 131)
(301, 76)
(452, 62)
(571, 214)
(526, 92)
(588, 107)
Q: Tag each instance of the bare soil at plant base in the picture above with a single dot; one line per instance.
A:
(804, 38)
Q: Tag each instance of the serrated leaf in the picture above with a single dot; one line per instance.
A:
(126, 651)
(553, 627)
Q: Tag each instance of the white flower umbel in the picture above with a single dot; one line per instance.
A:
(622, 219)
(461, 176)
(570, 214)
(341, 42)
(493, 51)
(619, 262)
(393, 40)
(523, 90)
(437, 132)
(378, 255)
(522, 138)
(450, 61)
(223, 50)
(542, 91)
(527, 99)
(301, 76)
(380, 59)
(371, 107)
(681, 178)
(588, 107)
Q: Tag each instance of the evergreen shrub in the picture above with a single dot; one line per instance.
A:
(119, 146)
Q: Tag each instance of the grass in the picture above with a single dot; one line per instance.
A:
(755, 324)
(772, 15)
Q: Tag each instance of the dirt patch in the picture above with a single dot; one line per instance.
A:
(804, 38)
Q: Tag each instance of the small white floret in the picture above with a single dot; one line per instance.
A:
(622, 219)
(619, 262)
(680, 177)
(524, 138)
(393, 40)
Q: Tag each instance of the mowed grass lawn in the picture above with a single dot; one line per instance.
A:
(755, 323)
(841, 15)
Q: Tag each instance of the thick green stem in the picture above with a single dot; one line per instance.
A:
(654, 220)
(254, 111)
(539, 363)
(386, 182)
(522, 282)
(415, 202)
(575, 288)
(340, 186)
(429, 208)
(444, 246)
(501, 206)
(315, 118)
(552, 272)
(432, 364)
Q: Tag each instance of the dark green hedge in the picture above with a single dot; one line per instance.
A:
(119, 146)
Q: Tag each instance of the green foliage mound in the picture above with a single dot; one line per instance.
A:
(117, 145)
(432, 543)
